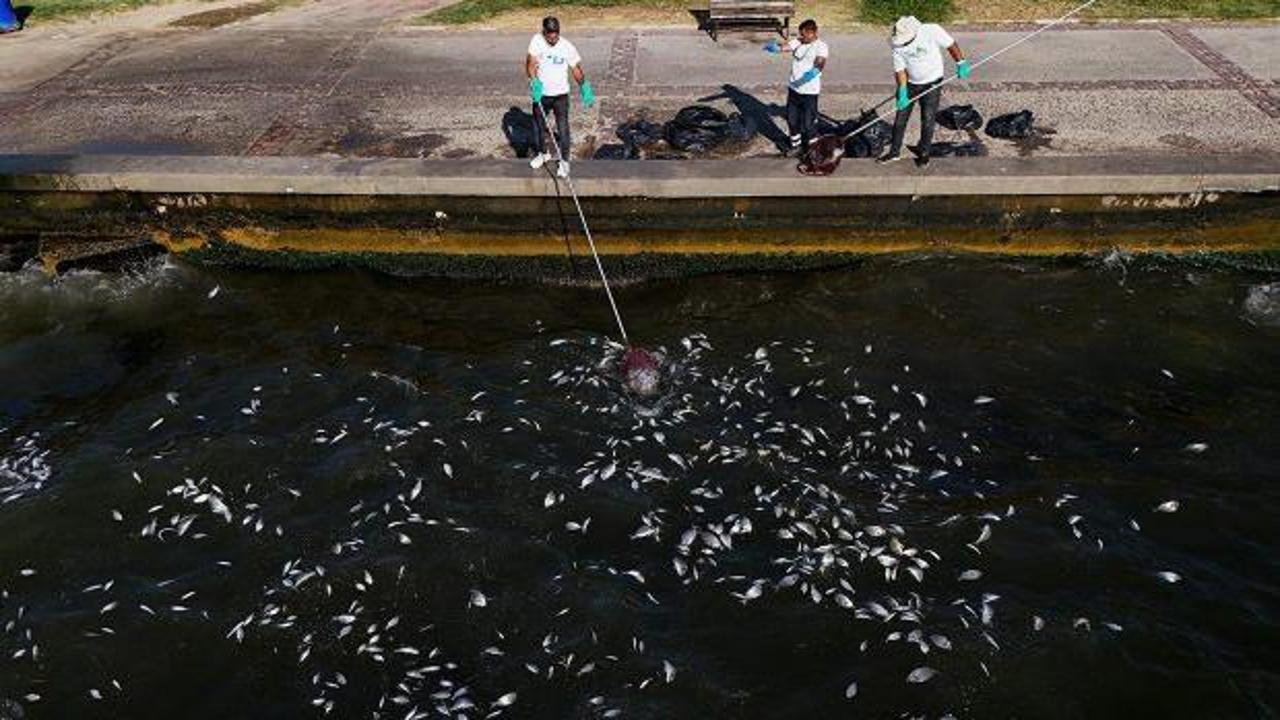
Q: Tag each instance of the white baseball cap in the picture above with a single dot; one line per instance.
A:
(904, 30)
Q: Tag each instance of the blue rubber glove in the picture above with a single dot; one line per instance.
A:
(773, 48)
(805, 78)
(588, 94)
(903, 100)
(535, 90)
(963, 71)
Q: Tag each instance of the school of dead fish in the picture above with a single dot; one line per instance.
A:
(776, 476)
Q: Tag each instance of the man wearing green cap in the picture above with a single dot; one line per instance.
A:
(550, 60)
(918, 70)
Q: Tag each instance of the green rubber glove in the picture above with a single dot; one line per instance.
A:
(588, 95)
(535, 90)
(963, 71)
(903, 100)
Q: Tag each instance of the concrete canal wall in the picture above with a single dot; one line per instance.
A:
(485, 218)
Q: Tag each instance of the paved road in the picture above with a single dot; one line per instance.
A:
(355, 78)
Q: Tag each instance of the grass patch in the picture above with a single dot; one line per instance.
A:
(470, 11)
(843, 13)
(1216, 9)
(883, 12)
(1006, 10)
(225, 16)
(42, 10)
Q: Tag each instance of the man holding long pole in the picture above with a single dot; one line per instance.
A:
(918, 69)
(549, 61)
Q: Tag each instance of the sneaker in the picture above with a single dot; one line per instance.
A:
(922, 161)
(562, 170)
(888, 158)
(539, 160)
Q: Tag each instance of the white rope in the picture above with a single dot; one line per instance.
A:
(1078, 9)
(586, 230)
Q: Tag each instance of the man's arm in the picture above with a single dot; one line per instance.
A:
(956, 53)
(588, 92)
(530, 66)
(821, 64)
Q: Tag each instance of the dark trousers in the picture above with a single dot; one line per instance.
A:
(557, 105)
(802, 118)
(928, 109)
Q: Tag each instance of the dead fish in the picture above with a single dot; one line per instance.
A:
(1168, 506)
(921, 675)
(641, 372)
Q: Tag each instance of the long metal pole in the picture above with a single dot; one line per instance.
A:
(585, 229)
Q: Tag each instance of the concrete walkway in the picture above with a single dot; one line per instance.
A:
(354, 78)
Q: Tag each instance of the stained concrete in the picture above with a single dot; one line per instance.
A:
(652, 179)
(1256, 49)
(446, 65)
(694, 60)
(354, 78)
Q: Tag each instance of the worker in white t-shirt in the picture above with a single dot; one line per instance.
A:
(548, 64)
(918, 68)
(808, 60)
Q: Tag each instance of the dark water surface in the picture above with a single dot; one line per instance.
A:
(359, 496)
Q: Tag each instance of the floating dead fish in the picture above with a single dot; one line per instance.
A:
(922, 675)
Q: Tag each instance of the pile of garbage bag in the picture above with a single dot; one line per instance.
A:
(959, 117)
(695, 129)
(699, 128)
(869, 143)
(1014, 126)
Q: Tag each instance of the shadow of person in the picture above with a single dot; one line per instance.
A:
(749, 106)
(517, 127)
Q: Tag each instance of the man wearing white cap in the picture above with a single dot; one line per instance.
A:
(918, 68)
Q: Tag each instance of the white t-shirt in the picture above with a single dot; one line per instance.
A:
(554, 62)
(922, 57)
(802, 60)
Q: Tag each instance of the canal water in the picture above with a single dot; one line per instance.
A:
(907, 488)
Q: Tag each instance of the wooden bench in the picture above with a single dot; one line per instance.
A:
(775, 14)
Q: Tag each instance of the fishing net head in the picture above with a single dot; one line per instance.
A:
(641, 372)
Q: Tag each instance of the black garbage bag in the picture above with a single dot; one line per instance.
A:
(823, 156)
(639, 133)
(967, 149)
(870, 142)
(696, 128)
(741, 128)
(1013, 126)
(959, 117)
(616, 151)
